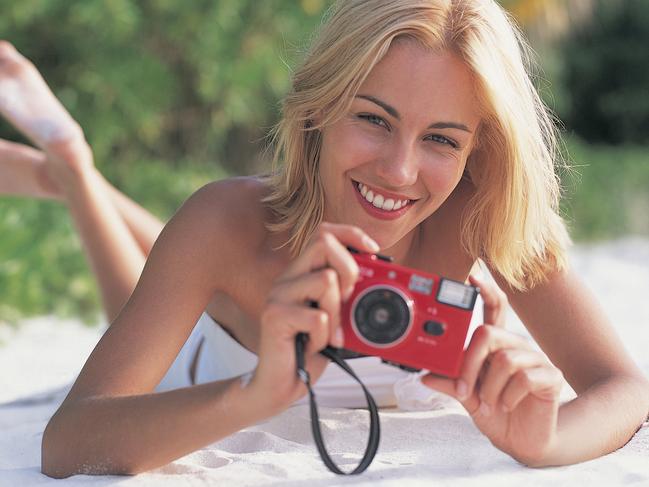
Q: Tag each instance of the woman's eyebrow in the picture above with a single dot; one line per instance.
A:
(393, 111)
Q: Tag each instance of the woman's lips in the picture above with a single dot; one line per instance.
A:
(380, 212)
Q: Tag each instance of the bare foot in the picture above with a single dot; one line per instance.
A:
(23, 172)
(27, 102)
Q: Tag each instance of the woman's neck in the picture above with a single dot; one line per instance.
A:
(405, 251)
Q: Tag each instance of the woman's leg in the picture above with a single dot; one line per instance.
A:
(27, 102)
(24, 172)
(117, 234)
(143, 225)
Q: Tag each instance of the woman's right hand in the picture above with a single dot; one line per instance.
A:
(325, 272)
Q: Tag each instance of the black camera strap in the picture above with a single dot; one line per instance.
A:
(375, 427)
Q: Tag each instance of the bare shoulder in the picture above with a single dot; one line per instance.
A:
(228, 215)
(233, 204)
(196, 255)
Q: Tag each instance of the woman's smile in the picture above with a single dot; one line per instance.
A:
(381, 204)
(402, 146)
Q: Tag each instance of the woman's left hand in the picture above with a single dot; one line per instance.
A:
(510, 389)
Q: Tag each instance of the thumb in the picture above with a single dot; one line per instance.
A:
(440, 384)
(452, 387)
(494, 299)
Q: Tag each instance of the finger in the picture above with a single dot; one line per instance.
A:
(327, 248)
(544, 382)
(449, 387)
(440, 384)
(485, 340)
(281, 322)
(503, 364)
(351, 235)
(494, 299)
(320, 287)
(329, 302)
(326, 251)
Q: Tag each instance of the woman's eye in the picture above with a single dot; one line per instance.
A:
(443, 140)
(373, 119)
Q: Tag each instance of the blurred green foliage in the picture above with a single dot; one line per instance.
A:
(174, 94)
(605, 64)
(607, 194)
(154, 84)
(163, 79)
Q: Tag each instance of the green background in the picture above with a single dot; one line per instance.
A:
(174, 94)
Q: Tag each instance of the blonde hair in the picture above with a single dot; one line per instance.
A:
(512, 222)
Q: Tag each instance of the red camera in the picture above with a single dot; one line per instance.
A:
(409, 318)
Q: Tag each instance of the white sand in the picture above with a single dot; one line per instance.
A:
(437, 447)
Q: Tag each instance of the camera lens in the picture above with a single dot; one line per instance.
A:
(382, 316)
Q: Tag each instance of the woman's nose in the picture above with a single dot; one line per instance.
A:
(399, 167)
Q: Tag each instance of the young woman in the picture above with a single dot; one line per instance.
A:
(412, 127)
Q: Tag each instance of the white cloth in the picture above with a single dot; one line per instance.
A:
(222, 357)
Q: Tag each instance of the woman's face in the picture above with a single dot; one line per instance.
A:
(403, 144)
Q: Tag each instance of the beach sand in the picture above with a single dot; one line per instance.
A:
(441, 446)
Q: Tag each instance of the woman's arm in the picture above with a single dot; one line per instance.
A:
(511, 390)
(137, 432)
(599, 421)
(613, 394)
(110, 422)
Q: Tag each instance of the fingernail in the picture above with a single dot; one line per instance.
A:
(339, 339)
(485, 410)
(371, 244)
(461, 390)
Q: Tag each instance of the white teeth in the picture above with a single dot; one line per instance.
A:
(380, 201)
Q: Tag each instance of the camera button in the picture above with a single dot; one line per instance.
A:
(434, 328)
